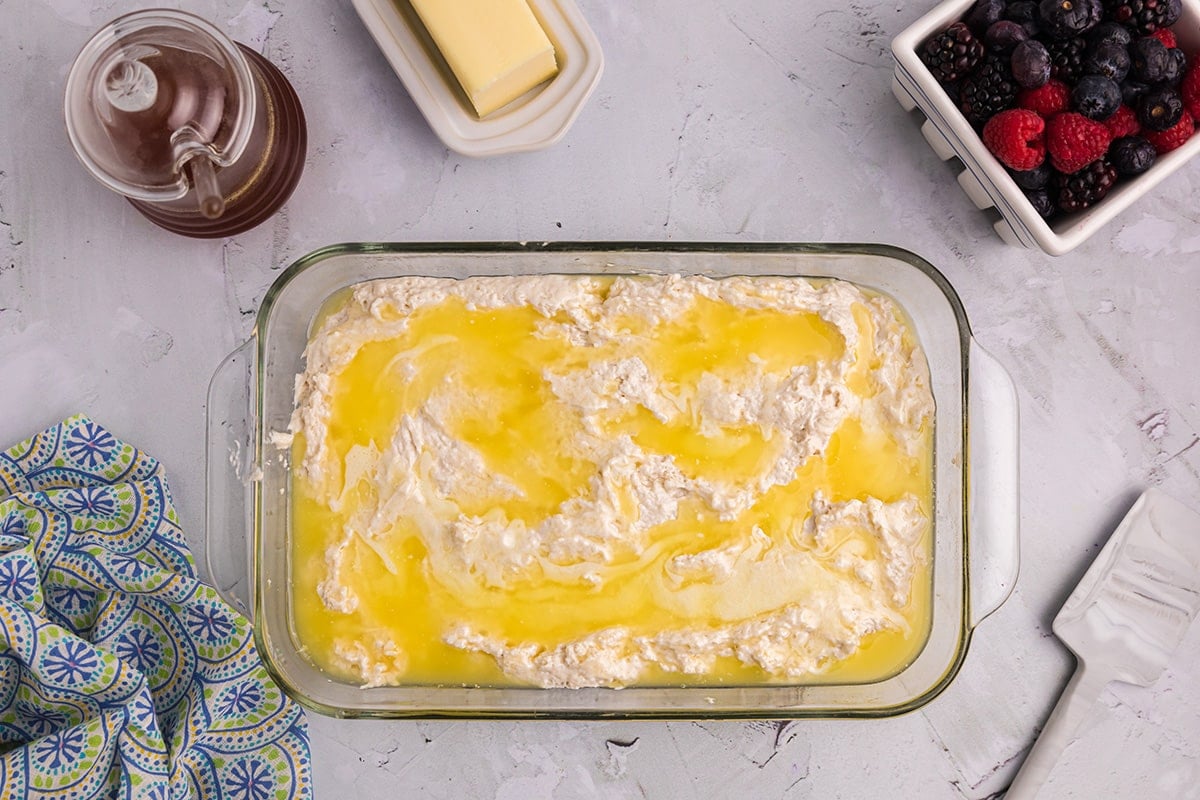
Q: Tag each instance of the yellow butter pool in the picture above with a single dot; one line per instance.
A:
(492, 375)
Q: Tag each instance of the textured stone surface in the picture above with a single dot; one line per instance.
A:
(725, 120)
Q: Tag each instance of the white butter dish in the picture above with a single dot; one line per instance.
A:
(537, 119)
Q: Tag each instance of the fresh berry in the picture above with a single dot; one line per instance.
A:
(1066, 59)
(1074, 141)
(1031, 64)
(1176, 67)
(1131, 155)
(953, 53)
(1171, 138)
(1109, 33)
(1189, 89)
(1143, 16)
(1132, 91)
(987, 91)
(1123, 122)
(1096, 97)
(1149, 60)
(1085, 187)
(1036, 178)
(1024, 13)
(1004, 35)
(1166, 36)
(1046, 100)
(1016, 137)
(984, 14)
(1108, 59)
(1160, 108)
(1063, 19)
(1071, 96)
(1042, 202)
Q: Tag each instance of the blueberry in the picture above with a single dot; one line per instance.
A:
(1025, 14)
(1108, 59)
(1176, 66)
(1173, 13)
(1150, 60)
(1131, 155)
(1160, 108)
(1132, 91)
(1096, 97)
(1064, 19)
(1109, 33)
(983, 15)
(1042, 202)
(1004, 35)
(1036, 178)
(1031, 64)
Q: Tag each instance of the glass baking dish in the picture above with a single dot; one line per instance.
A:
(975, 525)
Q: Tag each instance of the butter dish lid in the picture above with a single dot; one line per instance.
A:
(536, 120)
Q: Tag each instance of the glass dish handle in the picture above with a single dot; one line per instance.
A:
(993, 497)
(230, 473)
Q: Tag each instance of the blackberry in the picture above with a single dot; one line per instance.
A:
(987, 91)
(1131, 155)
(1063, 19)
(953, 53)
(1160, 108)
(1108, 59)
(1066, 59)
(1143, 16)
(1096, 97)
(1085, 188)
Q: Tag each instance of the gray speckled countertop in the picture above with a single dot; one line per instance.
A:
(714, 121)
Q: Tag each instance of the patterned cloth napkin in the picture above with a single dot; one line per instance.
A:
(121, 674)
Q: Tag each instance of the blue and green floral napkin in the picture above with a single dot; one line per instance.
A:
(121, 674)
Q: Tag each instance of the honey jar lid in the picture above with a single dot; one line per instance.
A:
(150, 92)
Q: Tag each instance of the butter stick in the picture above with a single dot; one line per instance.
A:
(496, 48)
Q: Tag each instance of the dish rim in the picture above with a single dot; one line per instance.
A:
(963, 622)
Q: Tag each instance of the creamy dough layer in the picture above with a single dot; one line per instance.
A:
(587, 481)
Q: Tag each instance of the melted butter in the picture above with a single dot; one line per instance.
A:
(496, 361)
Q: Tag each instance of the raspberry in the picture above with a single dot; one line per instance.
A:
(1046, 100)
(1086, 187)
(1123, 122)
(1074, 141)
(1017, 138)
(1166, 36)
(1190, 88)
(1171, 138)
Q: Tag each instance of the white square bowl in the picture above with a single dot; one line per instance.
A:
(984, 179)
(537, 119)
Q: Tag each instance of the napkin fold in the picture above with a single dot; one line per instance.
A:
(121, 674)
